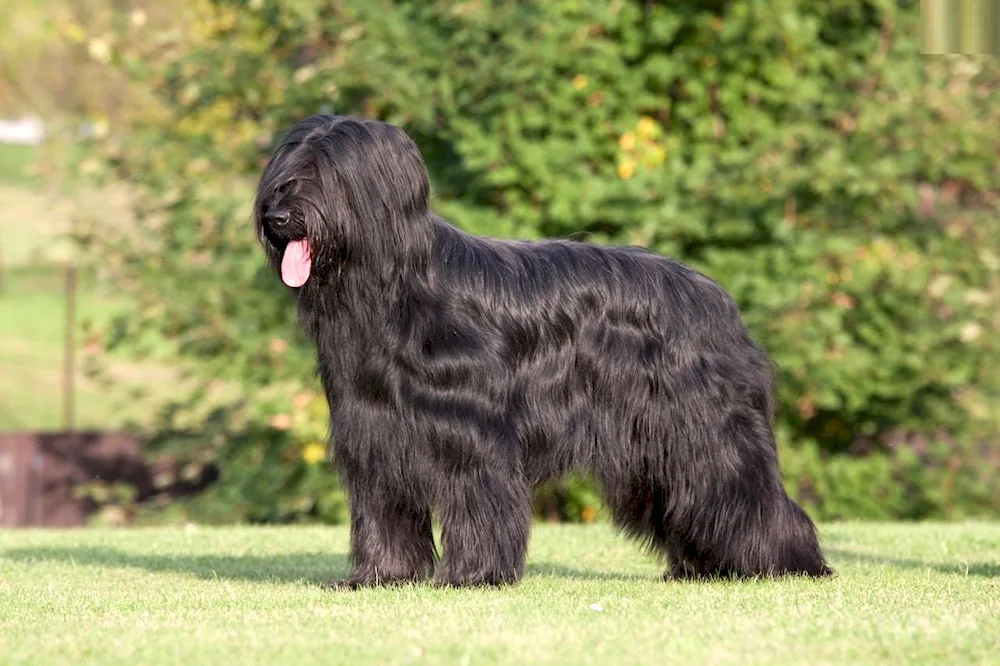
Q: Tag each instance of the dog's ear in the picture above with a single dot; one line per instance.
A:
(410, 186)
(375, 189)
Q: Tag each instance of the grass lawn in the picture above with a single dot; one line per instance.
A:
(34, 219)
(17, 162)
(32, 330)
(33, 317)
(905, 594)
(33, 222)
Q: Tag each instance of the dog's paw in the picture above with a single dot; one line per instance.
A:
(345, 584)
(480, 579)
(358, 582)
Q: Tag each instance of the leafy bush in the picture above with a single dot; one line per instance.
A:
(842, 188)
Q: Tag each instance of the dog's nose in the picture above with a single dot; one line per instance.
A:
(277, 218)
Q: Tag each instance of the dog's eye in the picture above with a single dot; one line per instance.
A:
(285, 188)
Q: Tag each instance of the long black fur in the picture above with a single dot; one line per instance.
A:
(462, 371)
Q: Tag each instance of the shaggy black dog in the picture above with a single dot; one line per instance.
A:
(462, 371)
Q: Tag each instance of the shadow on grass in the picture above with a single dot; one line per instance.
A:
(559, 571)
(958, 567)
(315, 568)
(298, 568)
(310, 568)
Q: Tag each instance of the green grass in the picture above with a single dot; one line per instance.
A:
(32, 350)
(32, 333)
(904, 594)
(34, 249)
(16, 164)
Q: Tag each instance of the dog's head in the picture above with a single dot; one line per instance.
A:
(340, 189)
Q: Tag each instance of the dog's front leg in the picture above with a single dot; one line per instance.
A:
(391, 539)
(486, 516)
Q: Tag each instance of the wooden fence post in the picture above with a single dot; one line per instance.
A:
(69, 349)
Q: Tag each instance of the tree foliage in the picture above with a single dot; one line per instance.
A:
(841, 187)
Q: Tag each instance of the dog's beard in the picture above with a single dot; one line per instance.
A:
(296, 263)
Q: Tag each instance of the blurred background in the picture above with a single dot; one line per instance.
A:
(840, 184)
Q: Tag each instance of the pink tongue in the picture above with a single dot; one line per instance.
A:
(296, 264)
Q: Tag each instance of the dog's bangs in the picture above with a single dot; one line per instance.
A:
(312, 217)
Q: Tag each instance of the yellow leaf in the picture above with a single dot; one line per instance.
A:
(970, 332)
(626, 169)
(314, 453)
(303, 74)
(580, 82)
(99, 49)
(101, 128)
(74, 33)
(646, 126)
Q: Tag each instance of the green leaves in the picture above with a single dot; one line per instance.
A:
(841, 187)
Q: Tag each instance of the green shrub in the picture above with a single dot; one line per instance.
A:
(840, 186)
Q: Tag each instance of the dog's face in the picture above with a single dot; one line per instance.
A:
(340, 189)
(284, 208)
(289, 210)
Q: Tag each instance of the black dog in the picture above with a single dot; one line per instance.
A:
(461, 371)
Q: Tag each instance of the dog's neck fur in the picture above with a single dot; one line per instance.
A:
(344, 302)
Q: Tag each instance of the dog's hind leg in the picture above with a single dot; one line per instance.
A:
(728, 513)
(714, 508)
